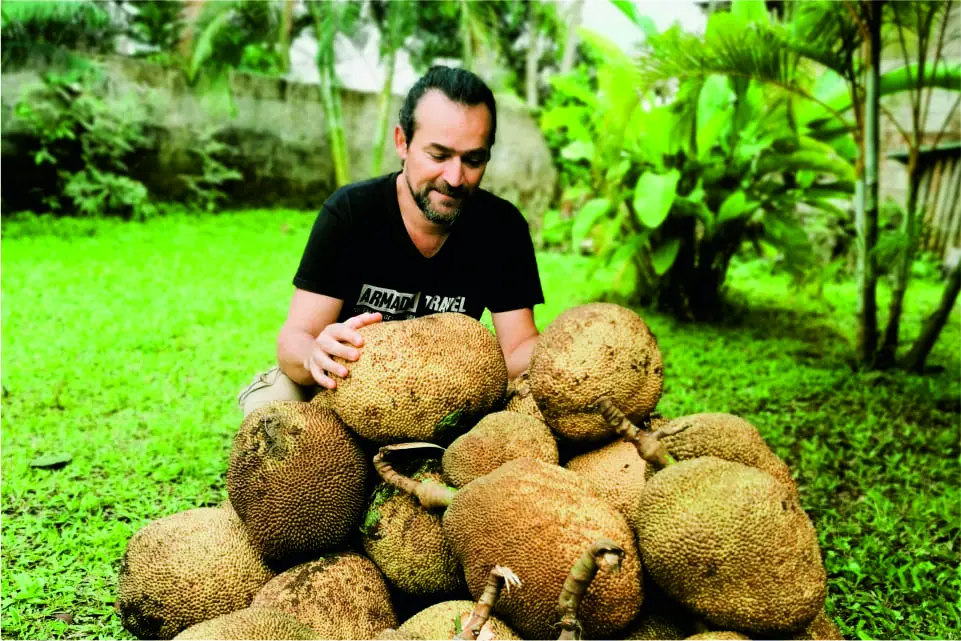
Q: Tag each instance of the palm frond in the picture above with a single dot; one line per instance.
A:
(828, 33)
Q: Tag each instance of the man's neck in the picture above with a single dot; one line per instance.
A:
(428, 237)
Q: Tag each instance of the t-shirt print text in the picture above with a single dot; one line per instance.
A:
(446, 303)
(388, 301)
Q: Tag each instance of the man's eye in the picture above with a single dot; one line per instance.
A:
(437, 156)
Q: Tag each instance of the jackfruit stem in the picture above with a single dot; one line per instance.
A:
(603, 554)
(648, 446)
(429, 495)
(500, 577)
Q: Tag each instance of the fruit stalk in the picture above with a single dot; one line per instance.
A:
(430, 495)
(499, 577)
(602, 554)
(648, 446)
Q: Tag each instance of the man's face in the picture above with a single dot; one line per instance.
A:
(445, 160)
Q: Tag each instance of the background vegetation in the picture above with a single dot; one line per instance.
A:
(723, 184)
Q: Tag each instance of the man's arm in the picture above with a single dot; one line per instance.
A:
(516, 334)
(309, 314)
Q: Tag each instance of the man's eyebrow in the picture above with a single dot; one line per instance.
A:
(448, 150)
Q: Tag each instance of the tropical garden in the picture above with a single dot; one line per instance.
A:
(726, 183)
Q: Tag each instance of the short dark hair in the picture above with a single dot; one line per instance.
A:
(459, 85)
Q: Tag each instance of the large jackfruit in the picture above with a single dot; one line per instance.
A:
(425, 379)
(297, 479)
(407, 541)
(187, 568)
(725, 436)
(250, 623)
(822, 628)
(731, 543)
(616, 472)
(446, 619)
(590, 351)
(520, 399)
(497, 438)
(538, 519)
(340, 596)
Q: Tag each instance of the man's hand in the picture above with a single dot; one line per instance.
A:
(337, 339)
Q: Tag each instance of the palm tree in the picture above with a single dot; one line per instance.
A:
(839, 38)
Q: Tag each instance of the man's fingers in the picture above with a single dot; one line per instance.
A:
(321, 377)
(329, 347)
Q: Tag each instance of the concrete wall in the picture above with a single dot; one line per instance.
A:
(278, 130)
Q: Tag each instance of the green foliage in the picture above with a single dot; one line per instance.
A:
(134, 366)
(50, 32)
(684, 184)
(88, 141)
(214, 158)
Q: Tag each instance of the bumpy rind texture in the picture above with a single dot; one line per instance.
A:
(725, 436)
(406, 541)
(653, 626)
(731, 543)
(538, 519)
(520, 399)
(423, 379)
(340, 596)
(297, 479)
(497, 438)
(720, 635)
(589, 351)
(822, 628)
(187, 568)
(437, 622)
(616, 472)
(250, 623)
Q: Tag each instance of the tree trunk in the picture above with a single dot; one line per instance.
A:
(570, 43)
(867, 199)
(914, 360)
(330, 97)
(466, 36)
(533, 54)
(889, 345)
(283, 39)
(383, 119)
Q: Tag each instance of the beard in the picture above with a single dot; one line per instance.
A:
(422, 198)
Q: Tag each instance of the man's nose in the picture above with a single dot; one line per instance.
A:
(454, 172)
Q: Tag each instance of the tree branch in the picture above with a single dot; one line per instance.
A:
(937, 58)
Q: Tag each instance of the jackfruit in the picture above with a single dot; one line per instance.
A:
(590, 351)
(520, 399)
(407, 541)
(662, 618)
(250, 623)
(297, 479)
(615, 471)
(426, 379)
(721, 635)
(822, 628)
(340, 596)
(537, 519)
(725, 436)
(601, 555)
(497, 438)
(187, 568)
(465, 619)
(650, 626)
(731, 543)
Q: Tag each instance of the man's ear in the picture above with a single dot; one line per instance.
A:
(400, 142)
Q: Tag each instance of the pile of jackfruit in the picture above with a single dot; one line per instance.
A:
(429, 497)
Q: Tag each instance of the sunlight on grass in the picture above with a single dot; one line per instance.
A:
(125, 345)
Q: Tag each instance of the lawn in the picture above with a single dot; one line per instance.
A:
(124, 346)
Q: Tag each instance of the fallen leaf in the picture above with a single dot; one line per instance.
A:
(66, 617)
(51, 461)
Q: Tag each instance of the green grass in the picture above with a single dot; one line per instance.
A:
(124, 346)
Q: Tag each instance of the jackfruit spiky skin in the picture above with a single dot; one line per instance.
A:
(406, 541)
(395, 635)
(497, 438)
(297, 479)
(250, 623)
(537, 519)
(589, 351)
(187, 568)
(340, 596)
(654, 626)
(731, 543)
(721, 635)
(822, 628)
(423, 379)
(446, 619)
(520, 399)
(615, 471)
(725, 436)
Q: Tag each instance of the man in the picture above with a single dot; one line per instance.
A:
(419, 241)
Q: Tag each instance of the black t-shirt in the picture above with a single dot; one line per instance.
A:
(360, 252)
